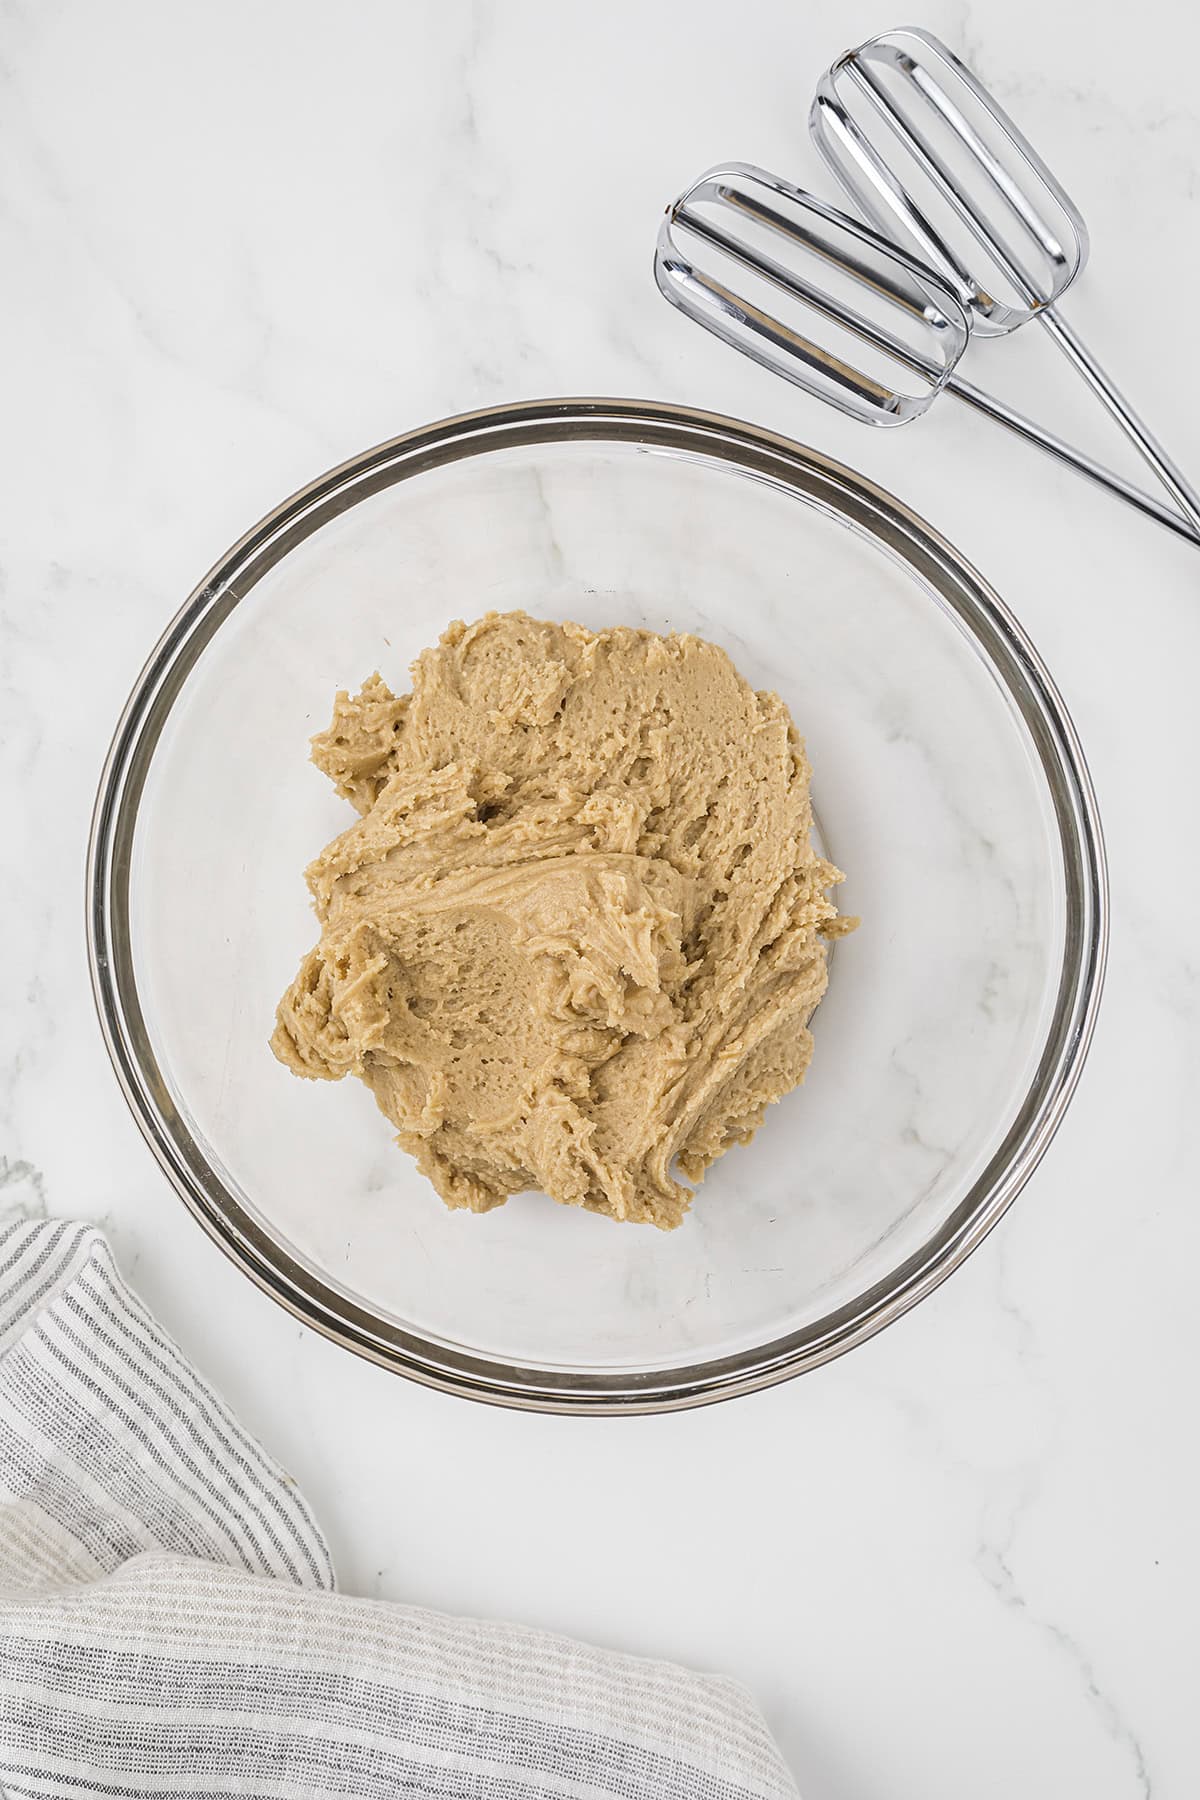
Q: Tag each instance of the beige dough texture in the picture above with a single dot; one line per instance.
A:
(576, 936)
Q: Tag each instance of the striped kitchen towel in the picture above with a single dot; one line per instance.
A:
(169, 1626)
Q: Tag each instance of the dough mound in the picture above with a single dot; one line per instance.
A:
(576, 936)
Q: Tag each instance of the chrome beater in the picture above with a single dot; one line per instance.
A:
(925, 153)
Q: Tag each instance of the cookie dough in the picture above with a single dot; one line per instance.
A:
(575, 939)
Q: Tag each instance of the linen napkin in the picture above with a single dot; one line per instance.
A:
(169, 1626)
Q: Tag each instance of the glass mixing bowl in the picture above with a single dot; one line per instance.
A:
(948, 782)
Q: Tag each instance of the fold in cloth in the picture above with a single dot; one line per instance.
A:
(168, 1624)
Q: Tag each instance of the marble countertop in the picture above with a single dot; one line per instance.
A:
(242, 242)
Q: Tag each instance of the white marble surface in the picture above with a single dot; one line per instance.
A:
(242, 242)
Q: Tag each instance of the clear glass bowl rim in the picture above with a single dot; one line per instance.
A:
(831, 488)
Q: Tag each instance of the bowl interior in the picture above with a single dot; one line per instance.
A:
(931, 793)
